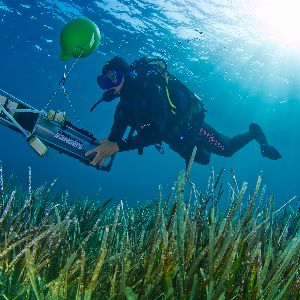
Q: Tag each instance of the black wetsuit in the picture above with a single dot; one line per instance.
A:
(144, 107)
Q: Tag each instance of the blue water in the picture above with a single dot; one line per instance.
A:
(217, 48)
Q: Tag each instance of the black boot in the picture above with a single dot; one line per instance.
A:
(266, 150)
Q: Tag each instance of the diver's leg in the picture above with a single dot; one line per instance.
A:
(266, 149)
(184, 147)
(202, 157)
(217, 143)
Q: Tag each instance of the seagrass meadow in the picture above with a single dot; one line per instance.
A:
(183, 246)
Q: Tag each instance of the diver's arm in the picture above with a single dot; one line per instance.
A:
(150, 133)
(119, 126)
(148, 136)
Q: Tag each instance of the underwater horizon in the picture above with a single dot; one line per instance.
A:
(241, 57)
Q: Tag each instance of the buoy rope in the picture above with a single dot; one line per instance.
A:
(61, 85)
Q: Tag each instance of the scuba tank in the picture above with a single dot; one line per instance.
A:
(186, 107)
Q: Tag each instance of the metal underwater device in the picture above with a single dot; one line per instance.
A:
(44, 129)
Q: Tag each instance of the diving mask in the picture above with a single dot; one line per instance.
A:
(110, 80)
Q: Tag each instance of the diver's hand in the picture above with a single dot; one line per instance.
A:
(104, 150)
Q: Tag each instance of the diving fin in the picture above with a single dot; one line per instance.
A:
(269, 152)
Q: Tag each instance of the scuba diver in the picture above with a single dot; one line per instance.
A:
(160, 108)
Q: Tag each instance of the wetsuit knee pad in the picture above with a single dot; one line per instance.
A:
(202, 157)
(227, 152)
